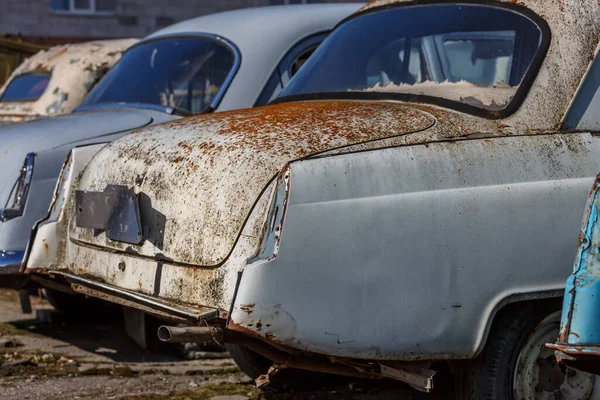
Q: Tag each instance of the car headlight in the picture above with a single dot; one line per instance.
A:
(17, 198)
(269, 246)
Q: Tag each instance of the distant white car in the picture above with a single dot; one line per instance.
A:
(55, 81)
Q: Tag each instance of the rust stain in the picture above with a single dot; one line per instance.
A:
(248, 148)
(46, 248)
(247, 308)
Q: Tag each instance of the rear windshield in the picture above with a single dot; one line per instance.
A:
(472, 54)
(184, 73)
(26, 88)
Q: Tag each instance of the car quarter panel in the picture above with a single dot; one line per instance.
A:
(465, 225)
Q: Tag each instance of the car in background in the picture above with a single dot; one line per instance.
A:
(223, 61)
(402, 210)
(13, 51)
(578, 342)
(55, 81)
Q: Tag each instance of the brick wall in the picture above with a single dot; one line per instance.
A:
(132, 18)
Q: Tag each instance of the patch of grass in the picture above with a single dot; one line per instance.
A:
(124, 372)
(214, 372)
(205, 392)
(10, 329)
(9, 296)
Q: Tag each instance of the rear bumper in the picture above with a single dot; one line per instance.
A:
(579, 356)
(146, 303)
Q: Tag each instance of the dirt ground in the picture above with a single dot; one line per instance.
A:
(44, 356)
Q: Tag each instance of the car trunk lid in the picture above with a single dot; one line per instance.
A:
(197, 179)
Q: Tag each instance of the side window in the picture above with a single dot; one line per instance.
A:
(29, 87)
(584, 113)
(288, 67)
(292, 66)
(300, 60)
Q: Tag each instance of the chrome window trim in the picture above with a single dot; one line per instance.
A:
(26, 174)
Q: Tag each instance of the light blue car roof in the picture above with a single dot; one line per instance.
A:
(263, 36)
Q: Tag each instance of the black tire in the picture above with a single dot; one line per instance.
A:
(490, 375)
(255, 365)
(251, 363)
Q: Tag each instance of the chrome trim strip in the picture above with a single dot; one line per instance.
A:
(234, 69)
(27, 175)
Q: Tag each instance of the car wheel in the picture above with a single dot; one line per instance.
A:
(251, 363)
(516, 364)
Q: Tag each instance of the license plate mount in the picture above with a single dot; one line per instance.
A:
(115, 210)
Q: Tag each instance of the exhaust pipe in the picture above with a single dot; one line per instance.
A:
(418, 376)
(186, 334)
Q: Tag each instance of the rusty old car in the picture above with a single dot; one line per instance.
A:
(13, 51)
(578, 343)
(55, 81)
(403, 210)
(218, 62)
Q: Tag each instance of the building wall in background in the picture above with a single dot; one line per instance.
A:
(89, 19)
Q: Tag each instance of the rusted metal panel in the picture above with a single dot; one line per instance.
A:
(74, 69)
(218, 166)
(48, 248)
(369, 235)
(579, 335)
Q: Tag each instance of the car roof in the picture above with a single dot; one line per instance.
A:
(263, 36)
(262, 22)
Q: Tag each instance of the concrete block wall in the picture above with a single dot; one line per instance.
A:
(132, 18)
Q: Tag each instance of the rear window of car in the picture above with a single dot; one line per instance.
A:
(26, 88)
(473, 57)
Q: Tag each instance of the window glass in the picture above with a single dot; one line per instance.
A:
(59, 5)
(81, 4)
(472, 54)
(84, 6)
(184, 73)
(26, 88)
(106, 5)
(300, 61)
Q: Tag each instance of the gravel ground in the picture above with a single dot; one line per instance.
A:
(96, 360)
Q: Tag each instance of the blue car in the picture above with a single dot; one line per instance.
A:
(579, 340)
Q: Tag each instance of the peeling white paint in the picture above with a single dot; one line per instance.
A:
(490, 97)
(74, 70)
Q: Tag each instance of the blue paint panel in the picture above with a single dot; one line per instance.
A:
(580, 324)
